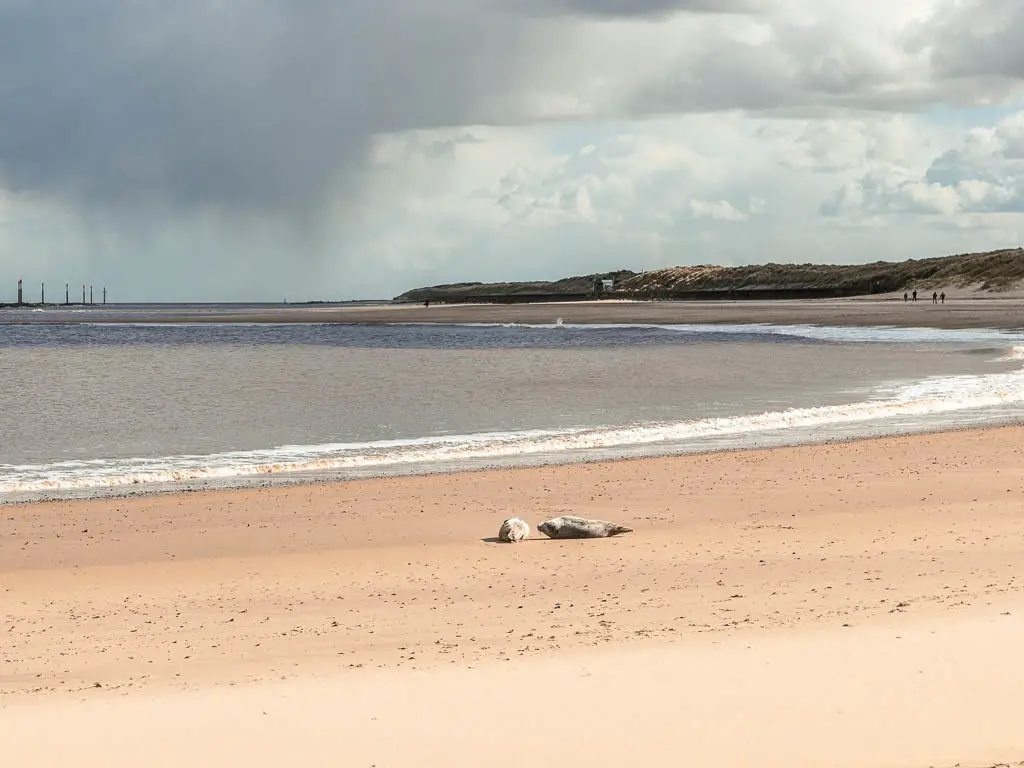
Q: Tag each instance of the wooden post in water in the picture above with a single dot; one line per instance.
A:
(67, 294)
(83, 294)
(42, 293)
(104, 295)
(20, 302)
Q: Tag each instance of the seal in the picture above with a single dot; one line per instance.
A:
(569, 527)
(512, 530)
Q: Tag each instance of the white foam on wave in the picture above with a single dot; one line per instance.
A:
(839, 333)
(1016, 353)
(919, 399)
(869, 334)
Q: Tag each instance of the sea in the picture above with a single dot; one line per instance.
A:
(119, 402)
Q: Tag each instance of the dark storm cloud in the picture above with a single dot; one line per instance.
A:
(802, 71)
(262, 104)
(980, 38)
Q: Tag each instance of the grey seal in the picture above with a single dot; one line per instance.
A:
(512, 530)
(569, 527)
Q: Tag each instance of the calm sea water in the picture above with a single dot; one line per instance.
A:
(89, 409)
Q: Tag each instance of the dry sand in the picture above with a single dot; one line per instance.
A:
(845, 605)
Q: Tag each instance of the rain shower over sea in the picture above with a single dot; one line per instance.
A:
(93, 409)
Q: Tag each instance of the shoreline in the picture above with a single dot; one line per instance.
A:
(847, 604)
(1006, 312)
(437, 469)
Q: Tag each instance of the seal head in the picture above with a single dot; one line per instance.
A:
(512, 530)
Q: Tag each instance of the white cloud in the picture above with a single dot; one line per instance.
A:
(720, 210)
(983, 173)
(855, 143)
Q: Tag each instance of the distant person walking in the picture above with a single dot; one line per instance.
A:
(935, 297)
(914, 294)
(943, 297)
(905, 297)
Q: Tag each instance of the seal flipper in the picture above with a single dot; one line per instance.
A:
(619, 529)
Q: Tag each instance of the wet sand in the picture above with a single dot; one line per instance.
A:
(855, 604)
(968, 311)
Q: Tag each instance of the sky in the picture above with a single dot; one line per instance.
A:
(270, 150)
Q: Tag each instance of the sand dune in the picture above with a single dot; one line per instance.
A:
(856, 604)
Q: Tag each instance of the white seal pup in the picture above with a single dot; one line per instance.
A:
(569, 527)
(513, 530)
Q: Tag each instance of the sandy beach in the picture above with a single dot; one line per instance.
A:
(856, 604)
(963, 309)
(970, 311)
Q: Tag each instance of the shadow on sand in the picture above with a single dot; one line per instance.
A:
(496, 540)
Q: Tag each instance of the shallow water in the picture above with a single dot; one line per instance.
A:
(95, 408)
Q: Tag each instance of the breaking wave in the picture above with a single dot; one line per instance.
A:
(921, 399)
(831, 333)
(1017, 353)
